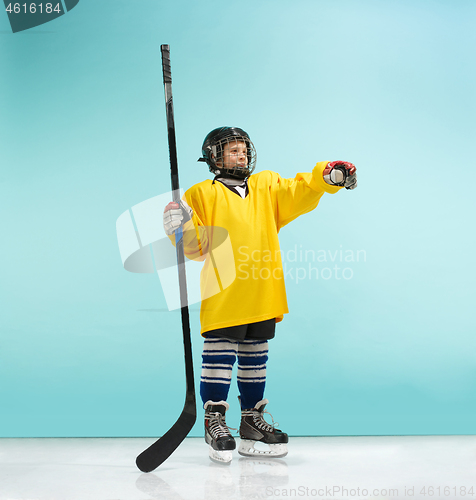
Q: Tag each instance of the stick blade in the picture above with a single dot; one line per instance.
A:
(159, 451)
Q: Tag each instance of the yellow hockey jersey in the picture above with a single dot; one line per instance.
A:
(242, 279)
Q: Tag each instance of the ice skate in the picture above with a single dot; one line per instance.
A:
(254, 429)
(217, 434)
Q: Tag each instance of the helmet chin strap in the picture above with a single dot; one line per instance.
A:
(223, 174)
(231, 182)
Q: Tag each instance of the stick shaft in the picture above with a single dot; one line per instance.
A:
(169, 109)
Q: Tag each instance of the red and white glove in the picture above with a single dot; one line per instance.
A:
(341, 173)
(176, 215)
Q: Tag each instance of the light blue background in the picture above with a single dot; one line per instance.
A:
(87, 349)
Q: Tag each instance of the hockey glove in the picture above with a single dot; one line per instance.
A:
(341, 173)
(176, 215)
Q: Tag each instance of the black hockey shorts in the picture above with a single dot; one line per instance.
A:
(262, 330)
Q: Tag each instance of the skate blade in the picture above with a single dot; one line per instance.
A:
(220, 457)
(247, 449)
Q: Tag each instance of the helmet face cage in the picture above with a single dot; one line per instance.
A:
(231, 167)
(213, 151)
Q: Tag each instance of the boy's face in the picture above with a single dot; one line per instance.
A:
(235, 155)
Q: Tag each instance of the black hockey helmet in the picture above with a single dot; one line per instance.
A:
(214, 145)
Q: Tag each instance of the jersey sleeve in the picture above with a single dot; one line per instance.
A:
(300, 195)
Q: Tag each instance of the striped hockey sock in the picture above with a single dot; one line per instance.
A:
(252, 357)
(218, 358)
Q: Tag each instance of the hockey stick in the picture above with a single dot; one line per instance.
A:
(157, 453)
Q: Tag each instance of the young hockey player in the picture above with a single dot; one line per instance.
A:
(238, 321)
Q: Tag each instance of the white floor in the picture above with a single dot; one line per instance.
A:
(322, 468)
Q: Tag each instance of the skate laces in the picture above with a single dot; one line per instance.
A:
(217, 425)
(259, 420)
